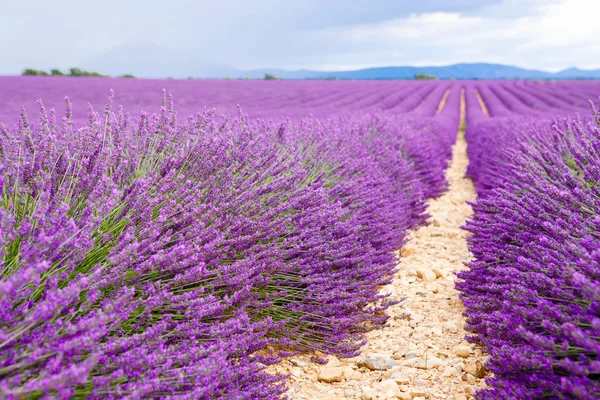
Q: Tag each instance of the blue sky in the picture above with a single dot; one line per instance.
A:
(317, 34)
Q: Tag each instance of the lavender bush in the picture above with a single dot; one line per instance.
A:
(170, 258)
(531, 292)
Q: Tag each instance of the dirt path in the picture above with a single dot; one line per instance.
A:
(423, 356)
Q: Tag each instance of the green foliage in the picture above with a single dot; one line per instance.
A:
(75, 72)
(58, 72)
(79, 72)
(425, 77)
(271, 77)
(126, 76)
(191, 78)
(34, 72)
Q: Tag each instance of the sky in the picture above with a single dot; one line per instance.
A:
(292, 34)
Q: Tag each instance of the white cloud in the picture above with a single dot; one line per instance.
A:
(319, 34)
(532, 33)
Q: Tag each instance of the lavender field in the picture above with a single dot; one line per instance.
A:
(186, 243)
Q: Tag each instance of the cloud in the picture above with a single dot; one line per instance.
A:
(548, 35)
(332, 34)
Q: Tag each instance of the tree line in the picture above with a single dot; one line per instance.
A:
(72, 72)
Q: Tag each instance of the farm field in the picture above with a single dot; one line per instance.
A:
(333, 239)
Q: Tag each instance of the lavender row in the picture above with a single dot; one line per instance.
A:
(274, 100)
(531, 293)
(170, 259)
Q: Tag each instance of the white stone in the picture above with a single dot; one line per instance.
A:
(389, 388)
(378, 362)
(400, 378)
(298, 362)
(428, 363)
(411, 354)
(333, 362)
(367, 393)
(436, 331)
(350, 374)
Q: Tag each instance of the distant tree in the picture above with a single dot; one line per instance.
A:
(271, 77)
(425, 77)
(246, 78)
(57, 72)
(330, 78)
(34, 72)
(517, 78)
(126, 76)
(190, 78)
(75, 72)
(80, 72)
(228, 78)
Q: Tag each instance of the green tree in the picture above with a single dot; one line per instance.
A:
(271, 77)
(56, 72)
(425, 77)
(75, 72)
(33, 72)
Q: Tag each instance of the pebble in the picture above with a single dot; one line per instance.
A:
(439, 273)
(331, 374)
(367, 393)
(428, 363)
(400, 378)
(350, 374)
(426, 274)
(379, 363)
(389, 388)
(299, 363)
(476, 369)
(451, 326)
(333, 362)
(462, 351)
(418, 393)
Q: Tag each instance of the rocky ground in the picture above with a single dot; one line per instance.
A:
(424, 355)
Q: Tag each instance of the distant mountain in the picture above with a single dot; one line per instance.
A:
(455, 71)
(576, 73)
(152, 61)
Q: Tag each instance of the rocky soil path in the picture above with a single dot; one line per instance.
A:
(423, 356)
